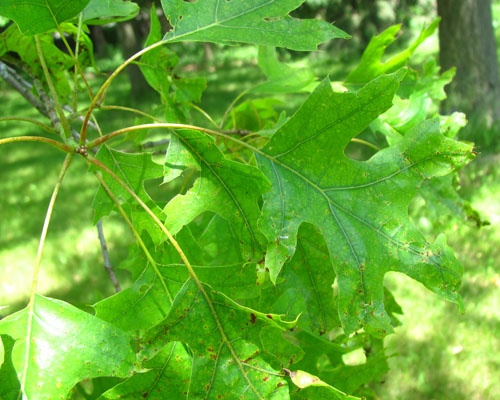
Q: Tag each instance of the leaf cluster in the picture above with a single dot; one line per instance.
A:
(265, 267)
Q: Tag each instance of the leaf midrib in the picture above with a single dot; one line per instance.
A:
(217, 22)
(222, 183)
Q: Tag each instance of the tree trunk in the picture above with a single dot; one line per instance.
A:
(467, 42)
(131, 43)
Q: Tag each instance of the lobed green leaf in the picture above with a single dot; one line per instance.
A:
(262, 22)
(67, 345)
(359, 207)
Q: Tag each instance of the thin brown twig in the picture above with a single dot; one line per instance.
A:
(105, 256)
(45, 106)
(51, 112)
(23, 90)
(241, 132)
(148, 145)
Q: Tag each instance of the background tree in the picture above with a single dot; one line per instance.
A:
(467, 42)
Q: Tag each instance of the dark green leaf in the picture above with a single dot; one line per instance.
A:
(263, 22)
(254, 115)
(10, 386)
(225, 187)
(133, 169)
(168, 377)
(224, 339)
(304, 289)
(146, 302)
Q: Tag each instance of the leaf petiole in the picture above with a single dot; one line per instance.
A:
(136, 234)
(45, 127)
(99, 97)
(54, 143)
(186, 262)
(64, 122)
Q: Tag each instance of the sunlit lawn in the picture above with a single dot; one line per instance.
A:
(439, 353)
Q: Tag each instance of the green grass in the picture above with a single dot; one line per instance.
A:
(440, 353)
(72, 266)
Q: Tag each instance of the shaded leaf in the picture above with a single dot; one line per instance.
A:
(12, 40)
(359, 207)
(225, 187)
(67, 345)
(38, 16)
(98, 12)
(133, 169)
(158, 65)
(168, 376)
(263, 22)
(10, 386)
(223, 338)
(253, 115)
(146, 303)
(282, 78)
(304, 289)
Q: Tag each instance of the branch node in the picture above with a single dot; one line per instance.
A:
(82, 150)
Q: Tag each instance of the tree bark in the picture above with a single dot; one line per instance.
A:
(131, 43)
(467, 42)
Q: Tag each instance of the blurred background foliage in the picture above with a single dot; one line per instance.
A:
(437, 352)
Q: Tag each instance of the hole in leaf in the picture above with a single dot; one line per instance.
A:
(356, 357)
(358, 151)
(364, 146)
(163, 193)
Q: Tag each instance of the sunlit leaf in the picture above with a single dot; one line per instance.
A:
(314, 388)
(13, 41)
(359, 207)
(371, 64)
(66, 346)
